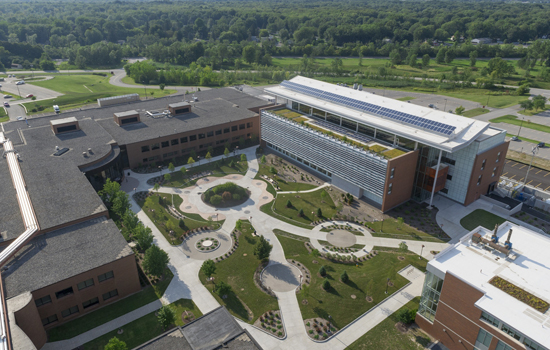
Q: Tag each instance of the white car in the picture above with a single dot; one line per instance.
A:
(20, 82)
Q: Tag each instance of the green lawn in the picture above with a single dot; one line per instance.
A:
(238, 272)
(218, 170)
(82, 89)
(523, 138)
(481, 217)
(143, 329)
(368, 279)
(512, 119)
(385, 335)
(283, 184)
(110, 312)
(391, 228)
(406, 98)
(532, 112)
(308, 202)
(160, 216)
(3, 115)
(475, 112)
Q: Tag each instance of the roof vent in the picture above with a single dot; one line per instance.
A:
(90, 151)
(85, 155)
(57, 148)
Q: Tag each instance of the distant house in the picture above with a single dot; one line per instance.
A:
(254, 38)
(121, 42)
(16, 66)
(479, 41)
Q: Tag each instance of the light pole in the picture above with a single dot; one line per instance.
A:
(387, 283)
(199, 159)
(160, 169)
(19, 92)
(145, 87)
(522, 119)
(445, 108)
(421, 250)
(534, 151)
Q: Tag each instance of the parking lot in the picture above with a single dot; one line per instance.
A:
(537, 178)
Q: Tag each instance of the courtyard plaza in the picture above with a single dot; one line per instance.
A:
(186, 261)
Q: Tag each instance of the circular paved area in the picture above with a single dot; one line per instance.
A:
(341, 238)
(281, 278)
(189, 246)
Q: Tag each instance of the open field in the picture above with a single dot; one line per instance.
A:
(475, 112)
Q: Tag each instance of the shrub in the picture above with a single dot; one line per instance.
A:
(326, 284)
(223, 288)
(288, 204)
(301, 213)
(237, 197)
(406, 316)
(344, 277)
(319, 212)
(323, 271)
(216, 199)
(226, 196)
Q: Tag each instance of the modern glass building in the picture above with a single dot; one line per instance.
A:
(382, 149)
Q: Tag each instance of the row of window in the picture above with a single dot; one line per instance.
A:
(493, 174)
(68, 291)
(192, 138)
(74, 309)
(303, 161)
(510, 331)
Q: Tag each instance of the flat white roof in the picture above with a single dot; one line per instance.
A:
(467, 130)
(63, 121)
(527, 266)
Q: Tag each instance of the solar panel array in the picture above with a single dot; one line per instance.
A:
(402, 117)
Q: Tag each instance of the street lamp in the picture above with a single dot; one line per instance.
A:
(160, 169)
(534, 151)
(387, 283)
(199, 159)
(145, 87)
(421, 250)
(522, 119)
(445, 108)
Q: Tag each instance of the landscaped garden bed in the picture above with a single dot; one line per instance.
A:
(272, 323)
(225, 195)
(319, 328)
(304, 207)
(520, 294)
(244, 300)
(284, 175)
(208, 244)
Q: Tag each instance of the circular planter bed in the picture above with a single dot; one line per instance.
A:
(207, 244)
(225, 195)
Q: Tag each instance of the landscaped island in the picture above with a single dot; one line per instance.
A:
(225, 195)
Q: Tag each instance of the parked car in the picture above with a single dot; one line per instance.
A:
(56, 108)
(7, 96)
(20, 82)
(541, 145)
(431, 105)
(29, 95)
(514, 138)
(6, 104)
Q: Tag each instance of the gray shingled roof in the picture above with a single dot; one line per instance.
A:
(171, 340)
(11, 223)
(58, 255)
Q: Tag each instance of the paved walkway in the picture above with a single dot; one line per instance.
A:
(186, 283)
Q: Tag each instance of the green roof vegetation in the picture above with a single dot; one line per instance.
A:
(377, 148)
(392, 153)
(520, 294)
(480, 217)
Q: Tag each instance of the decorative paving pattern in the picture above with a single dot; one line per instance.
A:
(205, 245)
(341, 238)
(281, 278)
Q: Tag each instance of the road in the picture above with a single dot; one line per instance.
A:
(537, 178)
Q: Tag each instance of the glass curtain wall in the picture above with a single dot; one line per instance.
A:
(426, 159)
(430, 296)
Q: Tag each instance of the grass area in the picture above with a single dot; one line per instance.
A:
(266, 208)
(143, 329)
(3, 115)
(377, 148)
(532, 112)
(391, 227)
(80, 90)
(491, 98)
(512, 119)
(368, 279)
(481, 217)
(160, 216)
(238, 271)
(111, 311)
(385, 336)
(308, 202)
(523, 138)
(283, 184)
(406, 98)
(475, 112)
(393, 153)
(519, 157)
(216, 168)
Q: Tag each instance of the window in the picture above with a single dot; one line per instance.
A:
(50, 319)
(110, 295)
(528, 343)
(155, 146)
(175, 142)
(449, 177)
(390, 187)
(210, 134)
(85, 284)
(498, 157)
(510, 331)
(144, 149)
(242, 126)
(69, 311)
(489, 319)
(66, 128)
(305, 109)
(64, 292)
(483, 164)
(128, 120)
(219, 132)
(392, 173)
(234, 128)
(445, 190)
(503, 346)
(165, 144)
(183, 139)
(479, 179)
(43, 301)
(90, 303)
(226, 130)
(105, 276)
(430, 296)
(248, 125)
(202, 136)
(448, 160)
(494, 172)
(483, 340)
(193, 138)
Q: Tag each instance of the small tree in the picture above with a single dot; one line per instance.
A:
(183, 170)
(400, 222)
(166, 316)
(403, 247)
(406, 316)
(539, 102)
(323, 271)
(144, 237)
(181, 224)
(190, 160)
(523, 90)
(315, 253)
(208, 267)
(326, 284)
(527, 104)
(263, 248)
(116, 344)
(273, 170)
(156, 186)
(243, 157)
(323, 195)
(425, 60)
(171, 167)
(344, 277)
(263, 160)
(223, 288)
(216, 199)
(239, 224)
(319, 212)
(226, 152)
(226, 196)
(301, 213)
(288, 204)
(155, 261)
(167, 177)
(460, 110)
(208, 156)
